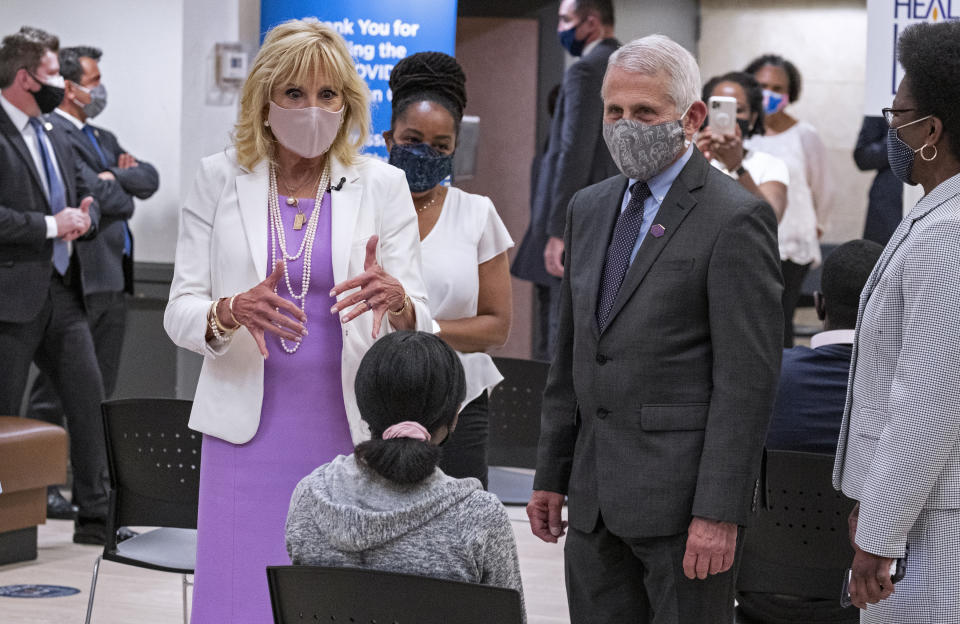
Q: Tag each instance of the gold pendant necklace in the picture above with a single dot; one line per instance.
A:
(430, 203)
(299, 219)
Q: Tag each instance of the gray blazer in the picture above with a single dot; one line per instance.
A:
(105, 269)
(663, 416)
(899, 447)
(576, 157)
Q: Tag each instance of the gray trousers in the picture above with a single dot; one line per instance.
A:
(614, 580)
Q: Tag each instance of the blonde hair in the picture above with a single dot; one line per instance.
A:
(292, 52)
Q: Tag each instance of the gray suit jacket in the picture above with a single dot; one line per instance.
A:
(105, 269)
(663, 416)
(25, 250)
(899, 447)
(576, 157)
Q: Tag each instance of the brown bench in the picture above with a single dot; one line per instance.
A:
(33, 455)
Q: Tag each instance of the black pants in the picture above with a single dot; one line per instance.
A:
(58, 340)
(614, 580)
(793, 275)
(465, 452)
(107, 317)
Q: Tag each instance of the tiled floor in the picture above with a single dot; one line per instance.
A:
(126, 594)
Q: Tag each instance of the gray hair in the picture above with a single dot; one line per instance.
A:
(655, 54)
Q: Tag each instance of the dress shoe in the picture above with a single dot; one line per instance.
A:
(94, 532)
(59, 508)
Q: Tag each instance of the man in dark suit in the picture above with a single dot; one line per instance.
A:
(41, 308)
(885, 208)
(576, 156)
(813, 380)
(115, 177)
(668, 351)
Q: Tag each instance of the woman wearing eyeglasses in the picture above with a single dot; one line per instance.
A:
(899, 448)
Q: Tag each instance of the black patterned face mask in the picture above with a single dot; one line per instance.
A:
(425, 167)
(642, 151)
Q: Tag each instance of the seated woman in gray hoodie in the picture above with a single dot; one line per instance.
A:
(388, 506)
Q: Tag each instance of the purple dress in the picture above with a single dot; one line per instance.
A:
(245, 488)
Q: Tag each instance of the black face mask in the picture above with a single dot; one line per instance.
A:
(745, 128)
(48, 97)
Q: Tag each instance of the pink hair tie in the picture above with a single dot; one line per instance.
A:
(407, 429)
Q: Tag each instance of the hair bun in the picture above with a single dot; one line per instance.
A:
(430, 72)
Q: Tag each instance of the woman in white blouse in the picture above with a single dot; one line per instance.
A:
(798, 144)
(463, 242)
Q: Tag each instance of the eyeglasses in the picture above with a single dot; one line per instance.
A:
(888, 113)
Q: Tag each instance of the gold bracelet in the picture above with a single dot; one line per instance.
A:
(232, 317)
(212, 323)
(403, 308)
(226, 331)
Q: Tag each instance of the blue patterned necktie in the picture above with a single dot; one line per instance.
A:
(57, 196)
(92, 135)
(615, 266)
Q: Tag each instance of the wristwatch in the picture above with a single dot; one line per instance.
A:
(740, 171)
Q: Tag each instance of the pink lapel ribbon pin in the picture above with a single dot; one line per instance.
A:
(657, 230)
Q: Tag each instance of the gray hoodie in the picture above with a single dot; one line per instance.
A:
(345, 514)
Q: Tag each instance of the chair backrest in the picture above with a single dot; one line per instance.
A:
(321, 594)
(799, 545)
(515, 412)
(154, 463)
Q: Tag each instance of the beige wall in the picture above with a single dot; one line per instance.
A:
(827, 40)
(496, 55)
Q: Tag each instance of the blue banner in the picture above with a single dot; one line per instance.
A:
(379, 33)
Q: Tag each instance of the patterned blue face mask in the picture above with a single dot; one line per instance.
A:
(425, 167)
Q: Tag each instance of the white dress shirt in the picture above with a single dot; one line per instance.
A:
(834, 336)
(21, 121)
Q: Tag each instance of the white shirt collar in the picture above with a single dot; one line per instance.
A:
(79, 124)
(19, 118)
(835, 336)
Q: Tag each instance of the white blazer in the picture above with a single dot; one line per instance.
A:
(222, 250)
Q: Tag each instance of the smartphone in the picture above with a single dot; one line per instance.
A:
(898, 569)
(723, 114)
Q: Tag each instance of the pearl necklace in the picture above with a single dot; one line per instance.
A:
(278, 238)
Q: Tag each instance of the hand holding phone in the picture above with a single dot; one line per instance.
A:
(898, 569)
(723, 114)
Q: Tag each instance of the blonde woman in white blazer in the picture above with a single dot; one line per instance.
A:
(291, 210)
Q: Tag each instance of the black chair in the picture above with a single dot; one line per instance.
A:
(515, 428)
(795, 557)
(154, 464)
(320, 594)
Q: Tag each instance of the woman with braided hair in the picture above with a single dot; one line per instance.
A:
(463, 242)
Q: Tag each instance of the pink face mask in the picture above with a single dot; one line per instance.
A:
(308, 132)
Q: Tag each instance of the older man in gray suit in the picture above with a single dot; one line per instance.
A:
(899, 448)
(667, 360)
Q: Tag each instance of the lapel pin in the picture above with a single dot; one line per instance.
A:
(657, 230)
(47, 126)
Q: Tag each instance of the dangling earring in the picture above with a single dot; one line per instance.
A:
(266, 123)
(934, 152)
